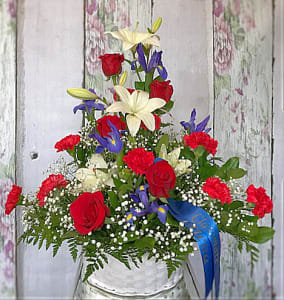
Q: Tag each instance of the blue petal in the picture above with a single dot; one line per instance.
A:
(138, 190)
(134, 198)
(202, 125)
(162, 71)
(141, 57)
(129, 217)
(162, 213)
(100, 139)
(100, 149)
(144, 199)
(207, 130)
(154, 61)
(92, 90)
(184, 124)
(192, 120)
(133, 65)
(80, 106)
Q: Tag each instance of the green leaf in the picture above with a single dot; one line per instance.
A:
(207, 171)
(119, 159)
(148, 80)
(117, 182)
(167, 107)
(235, 205)
(113, 199)
(69, 234)
(163, 140)
(164, 200)
(145, 242)
(159, 78)
(139, 85)
(236, 173)
(187, 154)
(172, 221)
(232, 163)
(199, 151)
(261, 235)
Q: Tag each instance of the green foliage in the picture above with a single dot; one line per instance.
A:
(145, 242)
(163, 140)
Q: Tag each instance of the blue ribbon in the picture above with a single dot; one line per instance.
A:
(206, 234)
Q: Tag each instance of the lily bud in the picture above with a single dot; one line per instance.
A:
(156, 25)
(82, 94)
(123, 78)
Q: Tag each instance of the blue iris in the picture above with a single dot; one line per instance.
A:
(141, 196)
(154, 63)
(88, 105)
(196, 128)
(112, 143)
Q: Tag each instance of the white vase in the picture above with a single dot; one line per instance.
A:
(116, 281)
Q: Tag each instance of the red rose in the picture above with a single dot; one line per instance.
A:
(67, 143)
(88, 212)
(115, 96)
(111, 63)
(161, 178)
(161, 89)
(139, 160)
(50, 183)
(196, 139)
(263, 204)
(217, 190)
(103, 127)
(12, 199)
(157, 123)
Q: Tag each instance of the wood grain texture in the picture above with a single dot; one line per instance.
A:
(186, 39)
(110, 15)
(7, 144)
(50, 60)
(278, 162)
(243, 123)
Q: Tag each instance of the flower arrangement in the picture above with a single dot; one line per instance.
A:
(132, 188)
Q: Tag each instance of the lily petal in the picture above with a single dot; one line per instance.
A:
(154, 103)
(119, 106)
(133, 124)
(148, 119)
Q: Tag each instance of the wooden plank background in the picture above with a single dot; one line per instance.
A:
(7, 144)
(58, 47)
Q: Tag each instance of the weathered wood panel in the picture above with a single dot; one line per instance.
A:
(7, 144)
(110, 15)
(50, 60)
(243, 122)
(278, 162)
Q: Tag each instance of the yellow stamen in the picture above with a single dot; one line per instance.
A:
(162, 210)
(160, 67)
(128, 217)
(113, 142)
(141, 188)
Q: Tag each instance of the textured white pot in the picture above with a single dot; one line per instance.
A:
(149, 281)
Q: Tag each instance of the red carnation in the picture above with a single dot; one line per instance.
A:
(161, 178)
(161, 89)
(67, 143)
(88, 212)
(50, 183)
(217, 190)
(139, 160)
(115, 96)
(157, 123)
(104, 128)
(111, 63)
(196, 139)
(12, 199)
(263, 204)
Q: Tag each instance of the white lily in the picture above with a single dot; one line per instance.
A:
(91, 178)
(181, 166)
(133, 38)
(138, 108)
